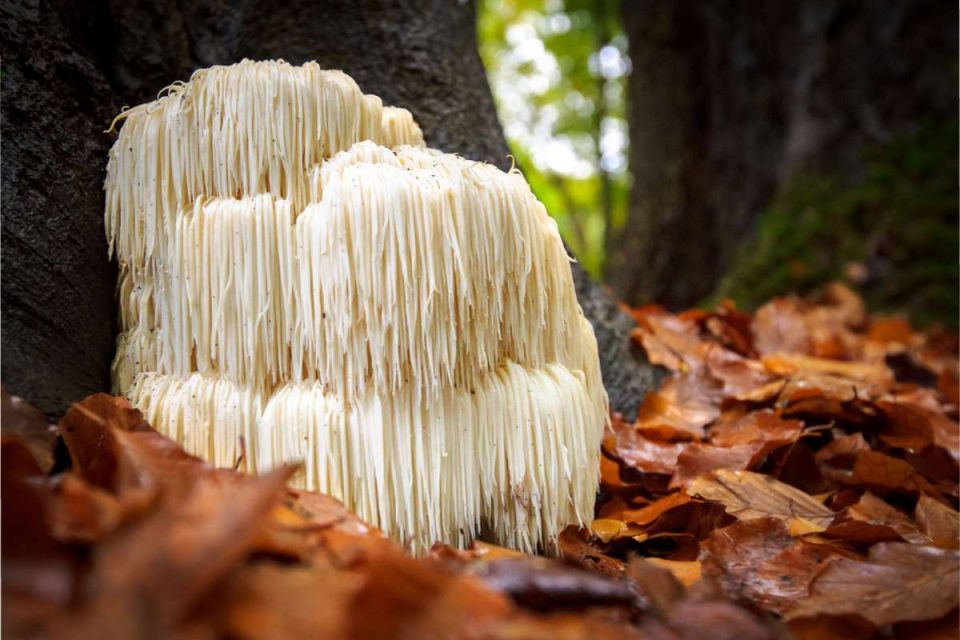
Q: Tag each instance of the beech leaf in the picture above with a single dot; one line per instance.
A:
(748, 495)
(898, 582)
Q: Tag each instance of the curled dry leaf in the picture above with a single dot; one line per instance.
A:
(738, 374)
(748, 495)
(697, 459)
(681, 408)
(872, 520)
(670, 340)
(885, 475)
(763, 426)
(898, 582)
(647, 454)
(912, 426)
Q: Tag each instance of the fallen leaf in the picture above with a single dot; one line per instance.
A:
(176, 555)
(911, 426)
(649, 514)
(687, 572)
(842, 450)
(681, 408)
(670, 341)
(748, 495)
(19, 419)
(759, 562)
(607, 529)
(885, 474)
(936, 520)
(785, 364)
(697, 459)
(779, 326)
(872, 520)
(540, 584)
(715, 619)
(763, 426)
(573, 544)
(944, 628)
(898, 582)
(648, 454)
(731, 328)
(39, 575)
(738, 374)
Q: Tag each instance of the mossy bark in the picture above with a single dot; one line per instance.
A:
(731, 99)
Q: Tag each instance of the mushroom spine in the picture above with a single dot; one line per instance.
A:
(302, 279)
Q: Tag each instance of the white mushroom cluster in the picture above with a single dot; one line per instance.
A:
(301, 279)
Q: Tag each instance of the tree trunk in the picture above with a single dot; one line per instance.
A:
(70, 67)
(730, 99)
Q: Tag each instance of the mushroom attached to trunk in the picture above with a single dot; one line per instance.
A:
(300, 278)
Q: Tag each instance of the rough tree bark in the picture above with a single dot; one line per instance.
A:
(729, 99)
(69, 67)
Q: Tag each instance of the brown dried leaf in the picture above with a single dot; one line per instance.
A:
(898, 582)
(763, 426)
(885, 474)
(650, 513)
(541, 584)
(39, 575)
(574, 545)
(936, 520)
(176, 555)
(671, 341)
(681, 408)
(872, 520)
(779, 326)
(874, 374)
(842, 450)
(697, 459)
(759, 562)
(648, 454)
(748, 495)
(686, 572)
(911, 426)
(19, 419)
(739, 375)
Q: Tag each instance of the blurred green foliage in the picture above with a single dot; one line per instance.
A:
(558, 69)
(893, 234)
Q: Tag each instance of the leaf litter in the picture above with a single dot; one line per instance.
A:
(795, 474)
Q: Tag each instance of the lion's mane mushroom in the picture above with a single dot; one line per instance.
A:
(300, 279)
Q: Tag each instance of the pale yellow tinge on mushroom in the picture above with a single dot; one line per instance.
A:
(298, 272)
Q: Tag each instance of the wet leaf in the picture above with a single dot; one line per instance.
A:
(898, 582)
(759, 562)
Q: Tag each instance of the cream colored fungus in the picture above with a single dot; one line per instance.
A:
(300, 279)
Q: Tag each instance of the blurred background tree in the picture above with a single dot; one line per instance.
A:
(558, 72)
(691, 150)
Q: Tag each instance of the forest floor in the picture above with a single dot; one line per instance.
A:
(795, 475)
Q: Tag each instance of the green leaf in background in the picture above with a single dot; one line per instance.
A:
(558, 71)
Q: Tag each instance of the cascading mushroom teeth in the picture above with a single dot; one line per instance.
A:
(301, 279)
